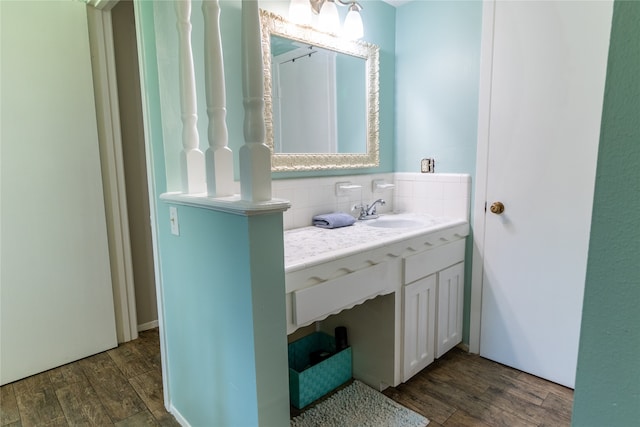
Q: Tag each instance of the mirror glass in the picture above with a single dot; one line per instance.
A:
(318, 97)
(321, 98)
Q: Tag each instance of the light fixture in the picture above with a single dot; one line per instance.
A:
(328, 18)
(353, 28)
(300, 12)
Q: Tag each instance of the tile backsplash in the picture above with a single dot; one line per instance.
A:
(434, 194)
(437, 194)
(314, 196)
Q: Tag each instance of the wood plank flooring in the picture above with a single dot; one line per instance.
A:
(462, 389)
(123, 387)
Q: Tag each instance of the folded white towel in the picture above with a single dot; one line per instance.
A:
(333, 220)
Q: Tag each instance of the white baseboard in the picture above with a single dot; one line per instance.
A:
(147, 326)
(178, 416)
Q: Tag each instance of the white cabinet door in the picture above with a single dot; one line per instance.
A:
(450, 299)
(419, 302)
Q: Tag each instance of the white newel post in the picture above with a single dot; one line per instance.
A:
(218, 157)
(191, 158)
(255, 155)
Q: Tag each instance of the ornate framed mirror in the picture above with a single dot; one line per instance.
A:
(321, 98)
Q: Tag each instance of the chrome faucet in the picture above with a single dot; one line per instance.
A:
(369, 212)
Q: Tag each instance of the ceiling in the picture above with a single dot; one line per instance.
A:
(396, 3)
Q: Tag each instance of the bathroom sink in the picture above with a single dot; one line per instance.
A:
(393, 222)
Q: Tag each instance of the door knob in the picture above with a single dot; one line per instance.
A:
(497, 208)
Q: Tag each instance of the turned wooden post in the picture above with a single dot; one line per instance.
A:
(255, 155)
(191, 158)
(218, 157)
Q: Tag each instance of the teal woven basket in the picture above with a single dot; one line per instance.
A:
(309, 383)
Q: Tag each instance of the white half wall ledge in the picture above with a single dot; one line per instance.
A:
(230, 204)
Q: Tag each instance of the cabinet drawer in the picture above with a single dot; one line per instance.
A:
(431, 261)
(318, 301)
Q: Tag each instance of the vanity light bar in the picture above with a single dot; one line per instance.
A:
(329, 20)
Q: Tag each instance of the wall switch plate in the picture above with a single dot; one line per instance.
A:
(173, 218)
(427, 165)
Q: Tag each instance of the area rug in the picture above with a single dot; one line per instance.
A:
(359, 405)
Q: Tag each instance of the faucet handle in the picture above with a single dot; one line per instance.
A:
(362, 210)
(372, 210)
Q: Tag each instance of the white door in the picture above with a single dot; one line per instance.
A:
(55, 289)
(549, 65)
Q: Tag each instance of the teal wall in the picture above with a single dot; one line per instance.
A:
(608, 373)
(208, 323)
(437, 81)
(437, 78)
(222, 283)
(151, 96)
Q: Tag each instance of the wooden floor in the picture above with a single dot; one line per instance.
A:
(462, 389)
(123, 387)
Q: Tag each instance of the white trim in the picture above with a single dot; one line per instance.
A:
(108, 119)
(231, 204)
(113, 175)
(178, 416)
(482, 158)
(153, 213)
(103, 5)
(149, 325)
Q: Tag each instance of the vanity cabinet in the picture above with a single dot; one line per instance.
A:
(433, 294)
(419, 307)
(398, 291)
(450, 305)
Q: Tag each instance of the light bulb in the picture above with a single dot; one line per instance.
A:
(300, 11)
(329, 20)
(353, 28)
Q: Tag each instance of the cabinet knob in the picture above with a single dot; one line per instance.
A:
(497, 208)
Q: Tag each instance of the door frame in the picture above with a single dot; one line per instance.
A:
(111, 158)
(108, 112)
(482, 159)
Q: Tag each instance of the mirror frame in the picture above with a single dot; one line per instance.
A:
(271, 23)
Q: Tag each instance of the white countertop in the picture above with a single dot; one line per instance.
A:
(308, 246)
